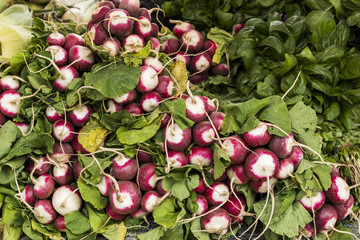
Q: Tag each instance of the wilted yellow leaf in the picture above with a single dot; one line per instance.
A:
(92, 135)
(180, 73)
(115, 231)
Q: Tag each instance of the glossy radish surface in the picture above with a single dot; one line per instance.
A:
(127, 199)
(237, 174)
(147, 177)
(202, 204)
(202, 156)
(81, 58)
(282, 146)
(177, 159)
(44, 186)
(203, 133)
(150, 201)
(176, 138)
(133, 43)
(192, 41)
(217, 221)
(59, 54)
(104, 185)
(257, 137)
(63, 174)
(123, 167)
(217, 193)
(236, 207)
(339, 192)
(117, 22)
(326, 218)
(80, 115)
(261, 164)
(63, 131)
(44, 211)
(65, 200)
(113, 214)
(235, 148)
(9, 83)
(313, 203)
(10, 103)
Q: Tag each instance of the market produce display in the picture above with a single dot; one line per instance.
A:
(203, 116)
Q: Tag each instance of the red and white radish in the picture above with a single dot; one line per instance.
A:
(203, 133)
(192, 41)
(133, 43)
(176, 138)
(177, 159)
(263, 186)
(125, 198)
(235, 148)
(100, 13)
(154, 63)
(134, 109)
(113, 106)
(117, 22)
(217, 221)
(195, 108)
(81, 58)
(61, 152)
(236, 173)
(43, 186)
(67, 74)
(200, 63)
(286, 169)
(160, 189)
(97, 33)
(23, 126)
(41, 166)
(282, 146)
(143, 156)
(59, 54)
(313, 203)
(10, 103)
(235, 207)
(150, 201)
(261, 164)
(308, 231)
(170, 46)
(210, 47)
(150, 101)
(155, 44)
(217, 119)
(63, 131)
(257, 137)
(339, 191)
(220, 69)
(143, 27)
(123, 167)
(218, 193)
(201, 187)
(73, 39)
(181, 57)
(44, 211)
(55, 38)
(147, 177)
(126, 98)
(63, 174)
(104, 185)
(112, 45)
(80, 115)
(296, 155)
(132, 6)
(148, 79)
(202, 203)
(165, 86)
(27, 194)
(201, 156)
(52, 114)
(9, 83)
(113, 214)
(66, 200)
(210, 105)
(198, 77)
(345, 209)
(325, 219)
(59, 224)
(180, 28)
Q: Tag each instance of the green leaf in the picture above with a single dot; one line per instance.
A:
(136, 59)
(341, 236)
(154, 234)
(323, 173)
(248, 193)
(222, 39)
(92, 195)
(221, 161)
(114, 231)
(92, 135)
(229, 125)
(332, 112)
(77, 223)
(31, 233)
(195, 226)
(9, 132)
(115, 120)
(174, 233)
(44, 231)
(168, 213)
(351, 69)
(177, 109)
(9, 231)
(96, 218)
(179, 74)
(290, 62)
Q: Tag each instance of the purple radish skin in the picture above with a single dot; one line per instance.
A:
(176, 138)
(192, 41)
(165, 86)
(127, 199)
(217, 119)
(27, 194)
(52, 115)
(10, 103)
(202, 203)
(286, 169)
(325, 219)
(313, 203)
(143, 12)
(42, 166)
(237, 174)
(257, 137)
(77, 170)
(154, 63)
(181, 57)
(117, 22)
(198, 77)
(201, 187)
(177, 159)
(200, 63)
(126, 98)
(134, 109)
(150, 201)
(104, 185)
(109, 4)
(282, 146)
(59, 224)
(217, 221)
(261, 164)
(112, 45)
(160, 189)
(132, 6)
(150, 101)
(144, 156)
(345, 209)
(339, 191)
(262, 186)
(308, 231)
(237, 27)
(100, 13)
(60, 55)
(203, 133)
(210, 105)
(80, 116)
(123, 168)
(113, 106)
(210, 47)
(65, 200)
(180, 28)
(148, 79)
(217, 193)
(170, 46)
(68, 73)
(235, 208)
(201, 156)
(81, 58)
(143, 27)
(97, 34)
(155, 44)
(61, 152)
(296, 155)
(195, 108)
(220, 69)
(235, 148)
(44, 211)
(113, 214)
(147, 177)
(8, 83)
(63, 131)
(77, 146)
(73, 39)
(43, 186)
(63, 174)
(55, 38)
(154, 30)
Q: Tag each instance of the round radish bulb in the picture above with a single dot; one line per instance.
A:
(155, 44)
(10, 103)
(235, 148)
(165, 86)
(80, 116)
(339, 192)
(60, 55)
(116, 3)
(282, 146)
(144, 156)
(200, 63)
(90, 24)
(257, 137)
(308, 231)
(123, 168)
(63, 131)
(28, 194)
(154, 30)
(154, 63)
(104, 185)
(112, 45)
(203, 133)
(59, 224)
(132, 6)
(177, 159)
(133, 43)
(165, 120)
(201, 187)
(77, 169)
(126, 98)
(313, 203)
(345, 209)
(42, 166)
(296, 155)
(334, 172)
(220, 69)
(148, 79)
(147, 177)
(109, 4)
(237, 174)
(150, 201)
(222, 178)
(9, 83)
(210, 47)
(160, 189)
(237, 27)
(127, 199)
(143, 27)
(100, 13)
(44, 186)
(286, 169)
(210, 105)
(176, 138)
(81, 58)
(117, 22)
(201, 156)
(217, 193)
(198, 77)
(262, 186)
(170, 46)
(44, 212)
(23, 126)
(217, 221)
(113, 214)
(67, 74)
(2, 119)
(143, 12)
(55, 38)
(62, 152)
(217, 118)
(181, 57)
(260, 164)
(134, 109)
(63, 174)
(235, 208)
(113, 106)
(52, 115)
(140, 214)
(192, 41)
(150, 101)
(326, 218)
(97, 33)
(73, 39)
(202, 203)
(65, 200)
(180, 28)
(195, 108)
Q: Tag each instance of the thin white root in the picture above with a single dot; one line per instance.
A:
(292, 86)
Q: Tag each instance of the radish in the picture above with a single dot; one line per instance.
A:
(181, 57)
(308, 231)
(313, 203)
(126, 98)
(203, 133)
(177, 159)
(237, 27)
(339, 192)
(155, 44)
(10, 103)
(282, 146)
(77, 146)
(235, 207)
(44, 212)
(52, 114)
(150, 101)
(133, 43)
(218, 193)
(23, 126)
(201, 187)
(192, 41)
(235, 148)
(195, 108)
(170, 45)
(150, 201)
(198, 77)
(143, 27)
(263, 186)
(200, 63)
(113, 106)
(345, 209)
(154, 30)
(2, 119)
(201, 156)
(55, 38)
(80, 115)
(59, 224)
(41, 165)
(66, 200)
(217, 119)
(143, 156)
(73, 39)
(62, 152)
(123, 168)
(180, 28)
(109, 4)
(296, 155)
(154, 63)
(117, 22)
(160, 189)
(132, 6)
(148, 79)
(113, 214)
(43, 186)
(222, 178)
(63, 174)
(77, 170)
(165, 120)
(125, 198)
(176, 138)
(104, 185)
(67, 74)
(63, 131)
(59, 54)
(237, 174)
(326, 218)
(210, 47)
(257, 137)
(165, 86)
(217, 221)
(147, 177)
(112, 45)
(116, 3)
(286, 169)
(100, 12)
(140, 213)
(143, 12)
(81, 58)
(261, 164)
(210, 105)
(9, 83)
(98, 34)
(134, 109)
(90, 24)
(220, 69)
(335, 172)
(27, 194)
(202, 203)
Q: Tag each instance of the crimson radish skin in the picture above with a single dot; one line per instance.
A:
(80, 116)
(100, 13)
(176, 138)
(112, 45)
(150, 101)
(143, 27)
(192, 41)
(123, 168)
(200, 63)
(126, 98)
(148, 79)
(217, 118)
(262, 186)
(257, 137)
(313, 203)
(65, 200)
(165, 120)
(55, 38)
(261, 164)
(9, 83)
(140, 213)
(217, 193)
(335, 172)
(165, 86)
(203, 133)
(132, 6)
(325, 219)
(198, 77)
(201, 187)
(210, 105)
(220, 69)
(147, 177)
(90, 24)
(60, 55)
(52, 114)
(339, 191)
(201, 156)
(42, 166)
(286, 169)
(109, 4)
(143, 12)
(63, 131)
(44, 186)
(237, 27)
(282, 146)
(81, 58)
(195, 108)
(217, 221)
(170, 46)
(160, 189)
(27, 194)
(62, 152)
(2, 119)
(134, 109)
(73, 39)
(127, 199)
(235, 148)
(44, 212)
(181, 57)
(117, 22)
(154, 30)
(180, 28)
(296, 155)
(154, 63)
(98, 34)
(10, 103)
(59, 224)
(113, 214)
(104, 185)
(68, 73)
(235, 208)
(63, 174)
(210, 47)
(202, 203)
(345, 209)
(77, 170)
(133, 43)
(116, 3)
(143, 156)
(177, 159)
(113, 106)
(155, 44)
(308, 231)
(150, 201)
(237, 174)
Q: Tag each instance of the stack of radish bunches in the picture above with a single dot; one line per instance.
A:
(184, 142)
